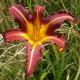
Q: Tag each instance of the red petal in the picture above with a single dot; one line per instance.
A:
(33, 55)
(38, 14)
(21, 16)
(14, 34)
(56, 19)
(58, 39)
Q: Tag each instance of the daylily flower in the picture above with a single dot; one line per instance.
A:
(35, 30)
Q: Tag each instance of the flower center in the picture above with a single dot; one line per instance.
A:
(36, 32)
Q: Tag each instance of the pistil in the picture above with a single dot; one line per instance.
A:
(37, 27)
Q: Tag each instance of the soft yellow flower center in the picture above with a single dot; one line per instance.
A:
(34, 35)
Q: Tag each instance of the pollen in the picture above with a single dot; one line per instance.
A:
(61, 49)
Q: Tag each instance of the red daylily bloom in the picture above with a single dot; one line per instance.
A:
(35, 29)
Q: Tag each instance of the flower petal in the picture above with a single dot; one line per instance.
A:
(37, 19)
(33, 55)
(58, 39)
(38, 14)
(54, 20)
(21, 16)
(13, 34)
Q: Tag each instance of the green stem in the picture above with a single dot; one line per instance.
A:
(61, 67)
(49, 60)
(63, 4)
(55, 51)
(78, 73)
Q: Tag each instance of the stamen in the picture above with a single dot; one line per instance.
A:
(37, 27)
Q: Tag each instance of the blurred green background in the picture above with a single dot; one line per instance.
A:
(54, 65)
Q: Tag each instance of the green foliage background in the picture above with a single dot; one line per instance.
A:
(54, 65)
